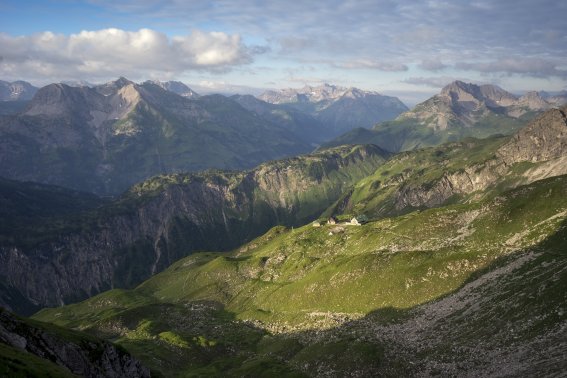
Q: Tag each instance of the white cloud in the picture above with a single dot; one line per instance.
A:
(113, 52)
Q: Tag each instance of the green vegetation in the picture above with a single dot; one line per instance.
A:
(258, 307)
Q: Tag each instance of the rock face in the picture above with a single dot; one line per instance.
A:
(106, 138)
(163, 219)
(339, 109)
(544, 139)
(16, 91)
(81, 355)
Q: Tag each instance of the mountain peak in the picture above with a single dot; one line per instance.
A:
(176, 87)
(113, 86)
(534, 101)
(458, 86)
(467, 94)
(121, 82)
(16, 91)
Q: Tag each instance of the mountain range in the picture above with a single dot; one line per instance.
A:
(460, 110)
(459, 272)
(175, 87)
(338, 108)
(437, 250)
(106, 138)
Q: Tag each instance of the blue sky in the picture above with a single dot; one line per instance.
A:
(405, 48)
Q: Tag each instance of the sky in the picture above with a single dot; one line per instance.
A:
(409, 49)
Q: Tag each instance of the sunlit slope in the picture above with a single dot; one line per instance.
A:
(212, 311)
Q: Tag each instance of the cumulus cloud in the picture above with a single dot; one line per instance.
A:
(528, 67)
(113, 52)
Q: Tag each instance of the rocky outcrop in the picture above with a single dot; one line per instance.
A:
(543, 140)
(168, 217)
(471, 179)
(82, 355)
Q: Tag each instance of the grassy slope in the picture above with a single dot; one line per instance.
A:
(376, 195)
(373, 194)
(190, 316)
(17, 363)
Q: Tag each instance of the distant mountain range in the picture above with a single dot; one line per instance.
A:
(340, 109)
(106, 138)
(460, 110)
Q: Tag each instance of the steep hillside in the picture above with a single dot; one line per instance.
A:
(339, 109)
(34, 349)
(464, 171)
(460, 110)
(458, 290)
(62, 259)
(106, 138)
